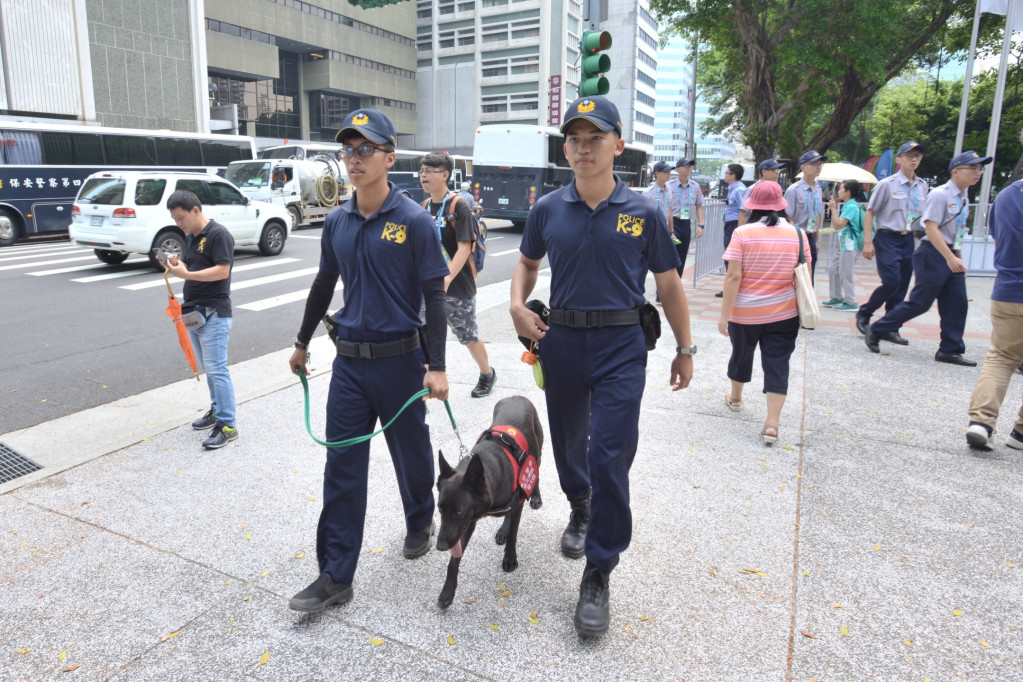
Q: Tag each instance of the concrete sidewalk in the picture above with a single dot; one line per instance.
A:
(868, 543)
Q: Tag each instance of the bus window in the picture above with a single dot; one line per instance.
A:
(178, 152)
(129, 150)
(220, 154)
(198, 188)
(18, 147)
(556, 151)
(149, 191)
(71, 149)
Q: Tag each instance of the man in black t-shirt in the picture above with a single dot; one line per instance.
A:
(206, 268)
(457, 238)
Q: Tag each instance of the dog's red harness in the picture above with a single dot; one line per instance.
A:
(525, 471)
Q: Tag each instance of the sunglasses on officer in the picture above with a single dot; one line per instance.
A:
(364, 151)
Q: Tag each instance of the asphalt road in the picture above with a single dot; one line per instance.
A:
(78, 333)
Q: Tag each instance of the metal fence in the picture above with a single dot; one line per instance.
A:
(710, 247)
(977, 254)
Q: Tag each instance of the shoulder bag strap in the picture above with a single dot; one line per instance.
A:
(802, 258)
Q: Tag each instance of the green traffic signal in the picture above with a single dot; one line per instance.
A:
(591, 81)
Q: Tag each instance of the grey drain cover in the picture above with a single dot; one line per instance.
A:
(14, 465)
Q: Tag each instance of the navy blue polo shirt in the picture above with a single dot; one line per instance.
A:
(599, 259)
(1005, 225)
(382, 261)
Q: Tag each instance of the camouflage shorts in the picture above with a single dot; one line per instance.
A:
(461, 315)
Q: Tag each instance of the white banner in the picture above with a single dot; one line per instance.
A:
(1002, 7)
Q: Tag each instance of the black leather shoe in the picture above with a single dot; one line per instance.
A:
(418, 542)
(320, 594)
(593, 612)
(862, 323)
(893, 337)
(871, 339)
(573, 540)
(954, 359)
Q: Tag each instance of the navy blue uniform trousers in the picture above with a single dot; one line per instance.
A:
(595, 381)
(361, 391)
(684, 232)
(894, 255)
(934, 282)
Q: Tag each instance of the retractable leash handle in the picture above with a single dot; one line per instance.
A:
(362, 439)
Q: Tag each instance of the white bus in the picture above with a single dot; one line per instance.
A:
(404, 174)
(515, 164)
(42, 166)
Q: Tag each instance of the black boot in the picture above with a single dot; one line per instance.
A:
(593, 612)
(573, 540)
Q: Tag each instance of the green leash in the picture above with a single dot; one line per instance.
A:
(362, 439)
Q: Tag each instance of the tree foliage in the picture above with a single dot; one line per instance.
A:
(928, 113)
(794, 74)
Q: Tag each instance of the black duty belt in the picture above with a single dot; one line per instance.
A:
(594, 318)
(374, 350)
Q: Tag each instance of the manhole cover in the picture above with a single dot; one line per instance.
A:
(14, 465)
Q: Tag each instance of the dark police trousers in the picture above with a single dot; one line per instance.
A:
(683, 231)
(361, 391)
(730, 226)
(934, 282)
(894, 255)
(595, 381)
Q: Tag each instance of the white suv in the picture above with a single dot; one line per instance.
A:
(123, 212)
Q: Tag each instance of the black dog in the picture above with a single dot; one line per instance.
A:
(487, 483)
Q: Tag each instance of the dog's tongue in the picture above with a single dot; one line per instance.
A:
(456, 549)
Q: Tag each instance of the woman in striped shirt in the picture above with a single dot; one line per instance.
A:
(759, 303)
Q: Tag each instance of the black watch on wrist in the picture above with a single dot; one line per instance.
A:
(301, 346)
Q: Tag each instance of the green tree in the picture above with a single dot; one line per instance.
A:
(782, 63)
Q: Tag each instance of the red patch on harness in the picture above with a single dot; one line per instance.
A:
(528, 475)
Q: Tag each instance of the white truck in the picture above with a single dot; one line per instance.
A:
(308, 188)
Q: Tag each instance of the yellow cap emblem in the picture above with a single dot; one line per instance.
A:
(586, 106)
(976, 155)
(360, 119)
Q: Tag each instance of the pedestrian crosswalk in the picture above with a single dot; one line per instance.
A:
(258, 283)
(251, 274)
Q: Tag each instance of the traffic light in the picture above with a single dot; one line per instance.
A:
(594, 64)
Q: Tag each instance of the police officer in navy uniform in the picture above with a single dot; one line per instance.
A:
(600, 239)
(384, 248)
(938, 266)
(895, 204)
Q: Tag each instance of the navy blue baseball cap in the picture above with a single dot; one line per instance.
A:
(662, 167)
(809, 157)
(600, 111)
(910, 146)
(968, 159)
(685, 162)
(771, 164)
(371, 124)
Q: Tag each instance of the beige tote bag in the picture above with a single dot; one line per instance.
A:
(806, 298)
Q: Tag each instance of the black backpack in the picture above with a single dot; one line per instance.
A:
(479, 231)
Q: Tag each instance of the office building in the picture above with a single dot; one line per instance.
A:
(517, 61)
(295, 69)
(633, 75)
(138, 64)
(671, 118)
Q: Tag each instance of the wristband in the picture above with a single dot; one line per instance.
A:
(301, 346)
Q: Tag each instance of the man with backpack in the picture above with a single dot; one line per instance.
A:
(457, 229)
